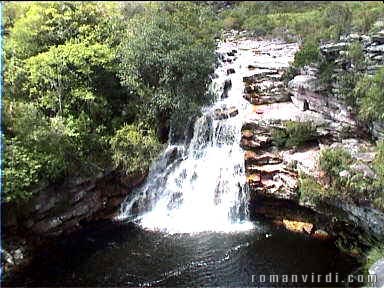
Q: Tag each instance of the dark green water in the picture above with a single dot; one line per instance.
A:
(126, 255)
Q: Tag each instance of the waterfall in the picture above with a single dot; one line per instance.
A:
(200, 186)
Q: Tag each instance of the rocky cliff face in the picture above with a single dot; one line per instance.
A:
(306, 89)
(273, 173)
(61, 210)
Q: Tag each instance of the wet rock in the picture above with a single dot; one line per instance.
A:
(252, 158)
(247, 134)
(54, 207)
(220, 56)
(233, 111)
(264, 98)
(255, 145)
(7, 257)
(218, 114)
(266, 174)
(227, 86)
(258, 76)
(230, 71)
(224, 113)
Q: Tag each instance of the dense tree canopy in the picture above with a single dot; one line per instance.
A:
(88, 85)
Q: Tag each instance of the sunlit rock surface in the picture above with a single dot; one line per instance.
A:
(272, 173)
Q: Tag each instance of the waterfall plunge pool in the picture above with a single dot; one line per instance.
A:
(107, 254)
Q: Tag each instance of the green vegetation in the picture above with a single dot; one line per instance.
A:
(310, 190)
(294, 134)
(374, 254)
(169, 69)
(95, 85)
(133, 151)
(309, 53)
(308, 20)
(371, 92)
(334, 160)
(343, 181)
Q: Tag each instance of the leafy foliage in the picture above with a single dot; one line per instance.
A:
(133, 149)
(295, 134)
(333, 161)
(310, 190)
(353, 186)
(309, 53)
(371, 91)
(80, 76)
(156, 64)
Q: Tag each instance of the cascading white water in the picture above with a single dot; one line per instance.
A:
(201, 186)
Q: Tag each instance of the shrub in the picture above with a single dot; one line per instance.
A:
(170, 72)
(300, 133)
(310, 190)
(133, 149)
(347, 83)
(355, 54)
(259, 26)
(378, 167)
(309, 53)
(348, 79)
(279, 137)
(337, 19)
(334, 160)
(294, 134)
(21, 171)
(371, 90)
(231, 23)
(325, 74)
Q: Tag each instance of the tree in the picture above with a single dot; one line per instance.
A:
(168, 64)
